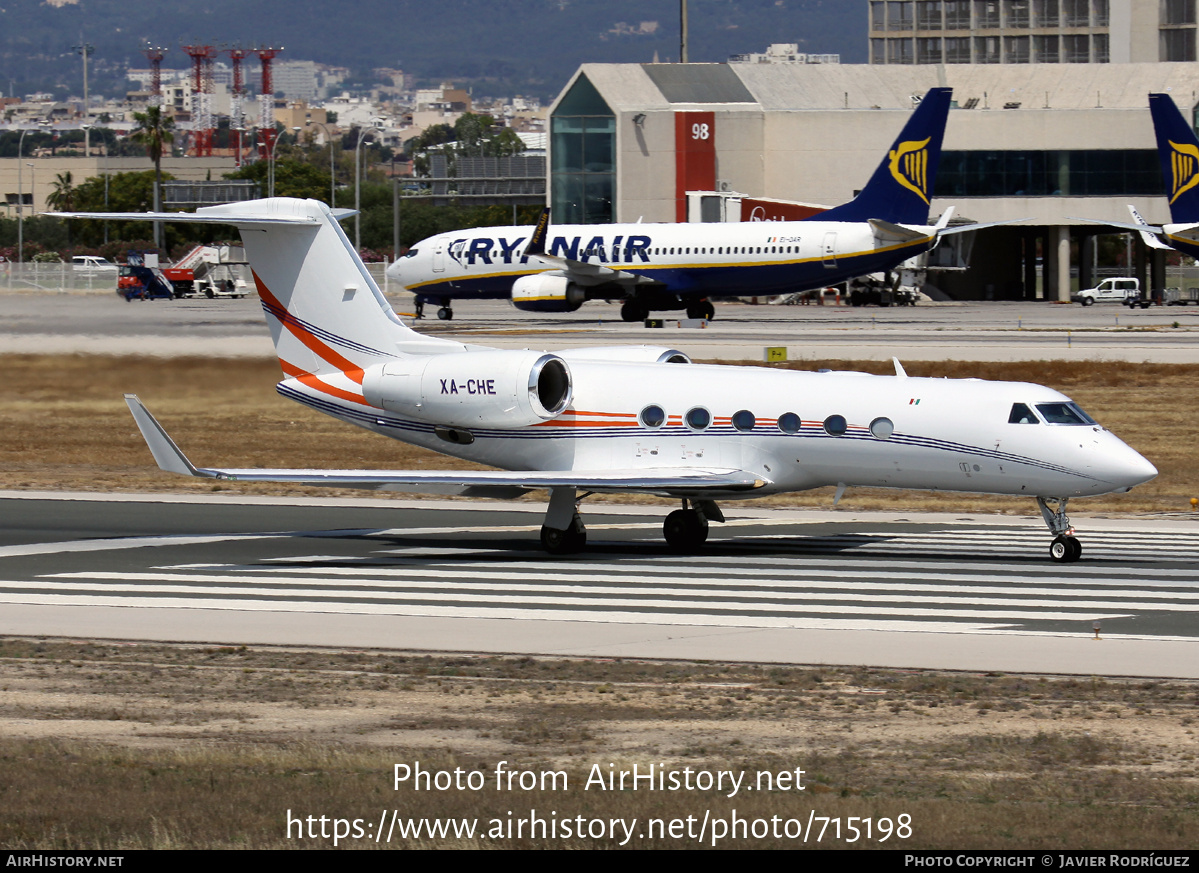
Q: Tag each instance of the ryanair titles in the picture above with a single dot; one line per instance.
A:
(485, 250)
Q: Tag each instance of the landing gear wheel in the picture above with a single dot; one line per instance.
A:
(564, 542)
(633, 310)
(445, 313)
(685, 530)
(1065, 549)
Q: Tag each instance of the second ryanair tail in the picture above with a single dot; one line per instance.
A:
(1178, 151)
(902, 186)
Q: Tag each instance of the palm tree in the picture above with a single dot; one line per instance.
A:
(155, 131)
(62, 198)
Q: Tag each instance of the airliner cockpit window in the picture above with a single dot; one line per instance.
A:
(411, 253)
(1021, 414)
(1063, 413)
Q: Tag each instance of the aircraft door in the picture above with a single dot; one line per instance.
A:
(439, 257)
(830, 249)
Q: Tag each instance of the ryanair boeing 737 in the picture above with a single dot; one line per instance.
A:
(679, 266)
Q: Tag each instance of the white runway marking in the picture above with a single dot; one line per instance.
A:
(851, 581)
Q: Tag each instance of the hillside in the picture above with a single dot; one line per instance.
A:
(514, 46)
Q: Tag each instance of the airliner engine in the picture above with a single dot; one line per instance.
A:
(472, 389)
(545, 292)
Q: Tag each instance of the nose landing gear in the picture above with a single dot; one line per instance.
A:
(1065, 548)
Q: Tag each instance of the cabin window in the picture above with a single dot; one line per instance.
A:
(1021, 414)
(789, 422)
(653, 416)
(744, 420)
(1063, 413)
(836, 425)
(882, 428)
(698, 418)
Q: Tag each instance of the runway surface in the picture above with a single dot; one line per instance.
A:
(105, 324)
(919, 591)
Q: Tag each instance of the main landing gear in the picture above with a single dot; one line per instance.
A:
(1065, 548)
(686, 529)
(563, 533)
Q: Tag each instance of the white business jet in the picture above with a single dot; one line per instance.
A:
(679, 266)
(633, 419)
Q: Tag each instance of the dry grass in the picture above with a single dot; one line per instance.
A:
(125, 747)
(66, 427)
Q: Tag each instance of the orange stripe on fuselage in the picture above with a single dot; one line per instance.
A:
(351, 370)
(560, 423)
(318, 384)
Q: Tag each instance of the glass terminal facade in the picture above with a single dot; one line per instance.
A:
(583, 157)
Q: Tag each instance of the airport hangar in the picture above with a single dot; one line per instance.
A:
(1045, 143)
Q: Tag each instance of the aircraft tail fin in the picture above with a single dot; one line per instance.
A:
(325, 312)
(902, 186)
(1178, 151)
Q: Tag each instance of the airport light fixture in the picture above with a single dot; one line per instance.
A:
(362, 134)
(21, 201)
(332, 169)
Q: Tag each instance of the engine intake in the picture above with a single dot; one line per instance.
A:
(504, 389)
(545, 292)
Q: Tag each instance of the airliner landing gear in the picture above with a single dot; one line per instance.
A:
(445, 313)
(701, 309)
(633, 310)
(1065, 548)
(563, 532)
(686, 529)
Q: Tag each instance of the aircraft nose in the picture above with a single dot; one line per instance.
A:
(1130, 468)
(395, 273)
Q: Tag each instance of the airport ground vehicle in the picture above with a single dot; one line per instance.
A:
(1109, 291)
(92, 264)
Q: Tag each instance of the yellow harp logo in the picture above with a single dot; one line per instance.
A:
(1184, 169)
(909, 166)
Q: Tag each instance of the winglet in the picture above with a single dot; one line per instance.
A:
(536, 244)
(899, 370)
(1149, 234)
(162, 447)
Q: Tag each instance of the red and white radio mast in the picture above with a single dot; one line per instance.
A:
(202, 125)
(267, 103)
(154, 55)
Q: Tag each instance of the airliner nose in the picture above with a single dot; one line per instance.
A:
(396, 273)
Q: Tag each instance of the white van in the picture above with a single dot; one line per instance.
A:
(92, 264)
(1109, 291)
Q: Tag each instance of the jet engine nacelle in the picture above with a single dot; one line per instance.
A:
(472, 389)
(543, 292)
(627, 354)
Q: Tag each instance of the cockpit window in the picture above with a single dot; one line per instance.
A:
(1021, 414)
(1063, 413)
(411, 253)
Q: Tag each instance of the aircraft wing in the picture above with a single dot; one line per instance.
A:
(1147, 231)
(475, 483)
(579, 272)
